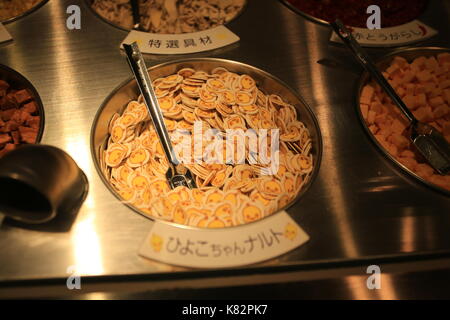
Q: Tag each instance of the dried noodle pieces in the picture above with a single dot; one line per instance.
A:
(13, 8)
(229, 192)
(171, 16)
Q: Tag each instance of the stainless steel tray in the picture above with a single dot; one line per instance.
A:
(409, 54)
(361, 207)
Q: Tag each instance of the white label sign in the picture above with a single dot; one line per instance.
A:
(185, 43)
(227, 247)
(4, 34)
(404, 34)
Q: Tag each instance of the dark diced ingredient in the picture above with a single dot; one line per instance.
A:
(5, 138)
(7, 148)
(22, 96)
(30, 107)
(15, 136)
(27, 134)
(3, 88)
(19, 118)
(33, 121)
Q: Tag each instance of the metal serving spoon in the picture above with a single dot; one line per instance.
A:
(178, 174)
(430, 142)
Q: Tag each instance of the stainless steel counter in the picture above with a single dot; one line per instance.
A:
(360, 208)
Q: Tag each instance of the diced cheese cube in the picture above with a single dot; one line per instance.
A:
(419, 89)
(367, 94)
(371, 117)
(424, 170)
(444, 84)
(424, 114)
(407, 154)
(441, 111)
(446, 95)
(392, 69)
(435, 93)
(410, 101)
(436, 101)
(399, 141)
(374, 129)
(419, 62)
(446, 129)
(401, 92)
(400, 61)
(410, 88)
(376, 107)
(392, 149)
(424, 76)
(421, 100)
(432, 64)
(398, 126)
(443, 58)
(408, 76)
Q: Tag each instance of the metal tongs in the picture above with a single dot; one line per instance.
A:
(136, 15)
(430, 142)
(178, 174)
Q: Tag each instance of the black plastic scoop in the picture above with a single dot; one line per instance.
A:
(430, 142)
(178, 174)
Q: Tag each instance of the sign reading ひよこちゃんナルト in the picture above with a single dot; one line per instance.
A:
(224, 247)
(154, 43)
(4, 34)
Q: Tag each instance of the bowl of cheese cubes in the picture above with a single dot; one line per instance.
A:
(421, 77)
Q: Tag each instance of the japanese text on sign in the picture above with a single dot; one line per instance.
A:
(251, 243)
(182, 43)
(401, 35)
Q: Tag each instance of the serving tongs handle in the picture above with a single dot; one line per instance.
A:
(136, 15)
(137, 65)
(365, 60)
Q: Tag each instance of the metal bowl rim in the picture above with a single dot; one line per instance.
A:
(24, 14)
(360, 84)
(317, 145)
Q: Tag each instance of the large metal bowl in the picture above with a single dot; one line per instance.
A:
(40, 4)
(89, 5)
(127, 91)
(313, 18)
(382, 64)
(18, 81)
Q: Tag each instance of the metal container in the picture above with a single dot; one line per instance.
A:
(88, 3)
(315, 19)
(24, 14)
(18, 81)
(122, 95)
(383, 63)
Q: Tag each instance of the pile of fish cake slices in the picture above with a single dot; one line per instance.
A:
(229, 193)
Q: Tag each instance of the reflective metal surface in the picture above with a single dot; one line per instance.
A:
(409, 54)
(121, 96)
(359, 206)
